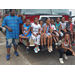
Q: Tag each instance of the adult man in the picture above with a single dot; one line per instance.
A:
(11, 23)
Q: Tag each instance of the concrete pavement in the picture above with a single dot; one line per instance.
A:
(42, 58)
(14, 60)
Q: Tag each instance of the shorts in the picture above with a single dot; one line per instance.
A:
(28, 37)
(53, 33)
(62, 31)
(47, 34)
(36, 39)
(61, 34)
(9, 42)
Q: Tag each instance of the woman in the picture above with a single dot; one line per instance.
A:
(66, 49)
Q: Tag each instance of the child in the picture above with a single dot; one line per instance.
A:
(73, 32)
(66, 49)
(54, 34)
(43, 37)
(26, 33)
(69, 27)
(63, 25)
(58, 29)
(48, 35)
(35, 27)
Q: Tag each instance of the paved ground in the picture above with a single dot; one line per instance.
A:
(42, 58)
(45, 58)
(20, 60)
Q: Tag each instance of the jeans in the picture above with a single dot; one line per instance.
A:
(9, 42)
(62, 51)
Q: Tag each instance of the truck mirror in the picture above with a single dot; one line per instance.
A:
(70, 13)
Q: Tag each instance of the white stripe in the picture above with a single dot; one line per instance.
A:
(50, 16)
(2, 43)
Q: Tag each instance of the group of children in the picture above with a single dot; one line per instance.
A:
(45, 34)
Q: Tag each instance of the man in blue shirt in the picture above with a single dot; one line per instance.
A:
(11, 23)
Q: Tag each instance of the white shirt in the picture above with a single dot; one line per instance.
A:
(35, 28)
(53, 27)
(73, 23)
(63, 25)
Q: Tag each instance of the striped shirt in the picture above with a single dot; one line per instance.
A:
(12, 22)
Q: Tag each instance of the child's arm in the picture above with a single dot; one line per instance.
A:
(39, 31)
(22, 30)
(68, 48)
(44, 29)
(64, 47)
(60, 28)
(32, 31)
(28, 31)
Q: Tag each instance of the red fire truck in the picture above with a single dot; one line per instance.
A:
(41, 14)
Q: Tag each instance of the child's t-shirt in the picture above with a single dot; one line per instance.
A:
(63, 25)
(69, 26)
(57, 26)
(35, 28)
(53, 27)
(26, 29)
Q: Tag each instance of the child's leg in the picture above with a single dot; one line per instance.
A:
(28, 42)
(48, 37)
(71, 36)
(54, 39)
(27, 49)
(42, 37)
(57, 39)
(50, 40)
(45, 37)
(23, 37)
(61, 51)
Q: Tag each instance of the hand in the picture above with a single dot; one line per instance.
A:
(35, 35)
(25, 35)
(73, 54)
(10, 30)
(21, 15)
(59, 33)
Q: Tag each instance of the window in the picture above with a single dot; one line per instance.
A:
(36, 11)
(60, 12)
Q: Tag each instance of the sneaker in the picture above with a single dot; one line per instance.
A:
(72, 43)
(38, 48)
(56, 45)
(8, 56)
(27, 50)
(59, 43)
(51, 48)
(35, 50)
(61, 60)
(42, 48)
(45, 47)
(65, 56)
(16, 53)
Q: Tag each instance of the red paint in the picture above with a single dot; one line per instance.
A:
(31, 17)
(66, 17)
